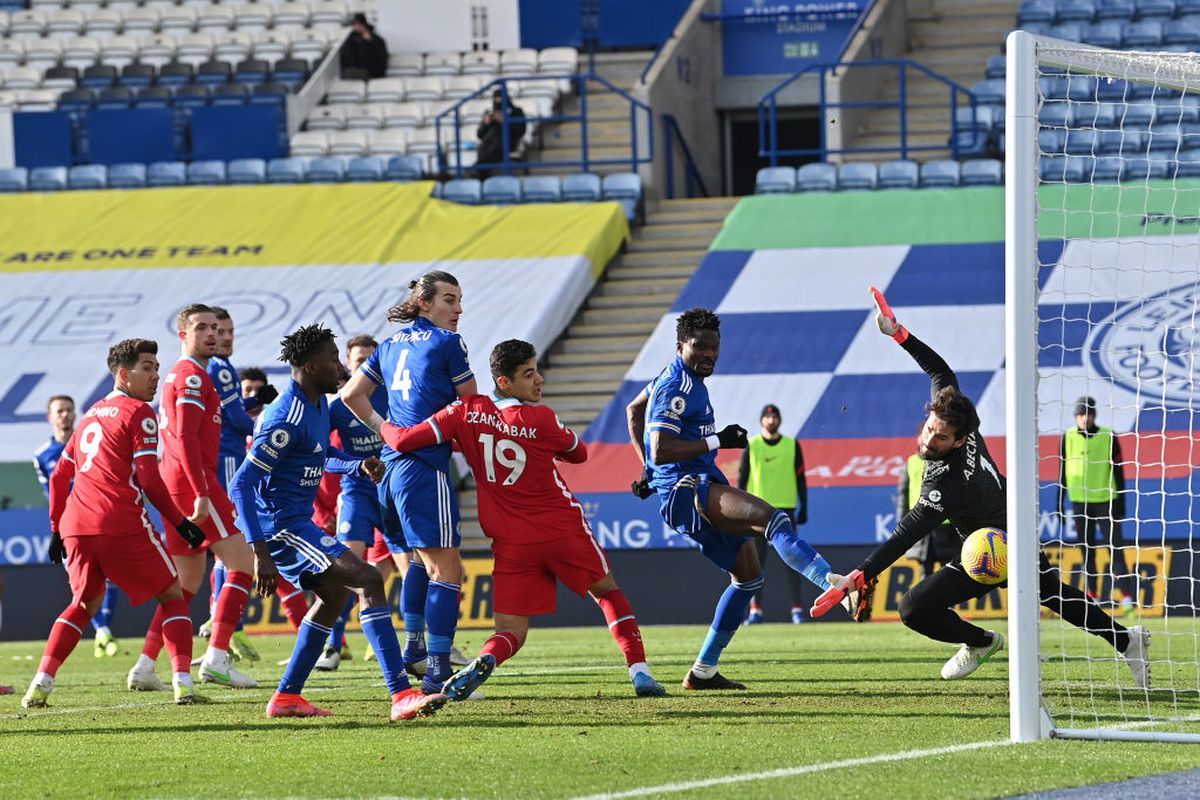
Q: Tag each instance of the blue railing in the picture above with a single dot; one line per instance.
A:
(507, 165)
(692, 177)
(768, 113)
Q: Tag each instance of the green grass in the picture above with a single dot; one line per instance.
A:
(560, 720)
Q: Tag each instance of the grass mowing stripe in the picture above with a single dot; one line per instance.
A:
(789, 772)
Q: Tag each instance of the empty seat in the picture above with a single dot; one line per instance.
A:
(22, 78)
(114, 98)
(127, 176)
(141, 20)
(481, 62)
(292, 16)
(331, 14)
(175, 74)
(981, 172)
(87, 176)
(1181, 32)
(38, 100)
(403, 115)
(1103, 34)
(177, 19)
(816, 177)
(137, 76)
(48, 179)
(443, 62)
(154, 97)
(775, 180)
(997, 64)
(1187, 164)
(1076, 10)
(521, 61)
(195, 48)
(272, 46)
(467, 191)
(43, 53)
(191, 96)
(326, 170)
(213, 73)
(27, 24)
(1150, 9)
(404, 168)
(857, 175)
(1043, 11)
(76, 99)
(12, 52)
(231, 94)
(244, 171)
(253, 17)
(501, 190)
(385, 90)
(423, 140)
(582, 187)
(342, 91)
(393, 142)
(1115, 10)
(460, 87)
(14, 179)
(364, 117)
(1070, 31)
(1142, 35)
(310, 143)
(206, 173)
(233, 46)
(215, 18)
(423, 88)
(542, 189)
(252, 71)
(558, 60)
(158, 50)
(82, 52)
(310, 45)
(60, 78)
(365, 169)
(989, 92)
(938, 174)
(347, 143)
(624, 188)
(291, 72)
(97, 76)
(1059, 169)
(327, 118)
(269, 94)
(285, 170)
(900, 174)
(404, 65)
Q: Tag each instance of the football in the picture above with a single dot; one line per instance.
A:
(985, 556)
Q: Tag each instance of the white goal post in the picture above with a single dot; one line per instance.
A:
(1102, 258)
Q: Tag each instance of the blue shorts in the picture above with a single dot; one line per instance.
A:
(302, 549)
(358, 514)
(682, 510)
(418, 500)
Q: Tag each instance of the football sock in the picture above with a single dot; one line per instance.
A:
(623, 626)
(338, 632)
(230, 606)
(103, 618)
(795, 552)
(65, 633)
(731, 610)
(381, 634)
(154, 634)
(441, 615)
(502, 646)
(217, 582)
(413, 593)
(293, 600)
(310, 642)
(177, 633)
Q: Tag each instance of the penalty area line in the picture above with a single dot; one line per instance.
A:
(787, 772)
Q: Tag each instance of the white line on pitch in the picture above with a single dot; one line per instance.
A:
(788, 772)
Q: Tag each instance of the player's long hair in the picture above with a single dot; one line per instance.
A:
(299, 347)
(955, 408)
(423, 288)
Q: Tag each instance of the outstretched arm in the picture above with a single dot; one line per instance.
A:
(935, 366)
(919, 522)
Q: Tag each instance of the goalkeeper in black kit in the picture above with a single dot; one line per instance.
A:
(961, 484)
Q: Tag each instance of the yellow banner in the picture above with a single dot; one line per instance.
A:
(475, 611)
(375, 223)
(1151, 564)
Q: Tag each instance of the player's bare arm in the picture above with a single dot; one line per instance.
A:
(356, 394)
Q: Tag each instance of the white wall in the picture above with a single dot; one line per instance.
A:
(425, 25)
(7, 146)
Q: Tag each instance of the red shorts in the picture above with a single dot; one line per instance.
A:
(524, 575)
(378, 551)
(220, 524)
(137, 563)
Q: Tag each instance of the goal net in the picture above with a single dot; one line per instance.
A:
(1103, 384)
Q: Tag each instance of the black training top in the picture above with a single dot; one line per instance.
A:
(964, 488)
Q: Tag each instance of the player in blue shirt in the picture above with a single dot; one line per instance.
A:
(274, 491)
(672, 427)
(60, 413)
(424, 368)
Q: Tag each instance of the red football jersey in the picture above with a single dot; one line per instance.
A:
(188, 384)
(106, 497)
(511, 448)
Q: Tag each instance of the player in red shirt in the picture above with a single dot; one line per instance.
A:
(99, 527)
(190, 418)
(538, 529)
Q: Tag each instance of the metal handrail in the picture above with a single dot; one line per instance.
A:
(768, 112)
(692, 176)
(507, 164)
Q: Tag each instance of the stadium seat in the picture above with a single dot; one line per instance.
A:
(292, 16)
(583, 187)
(1070, 31)
(48, 179)
(347, 143)
(1141, 168)
(972, 126)
(542, 189)
(775, 180)
(310, 143)
(286, 170)
(997, 65)
(206, 173)
(269, 94)
(127, 176)
(326, 170)
(1137, 115)
(989, 92)
(14, 179)
(1104, 34)
(459, 87)
(388, 143)
(141, 20)
(558, 60)
(981, 172)
(1106, 168)
(502, 190)
(252, 71)
(87, 176)
(857, 175)
(177, 19)
(1076, 10)
(467, 191)
(246, 171)
(230, 94)
(1120, 10)
(117, 51)
(213, 73)
(215, 18)
(626, 189)
(97, 76)
(521, 61)
(60, 78)
(900, 174)
(166, 173)
(385, 90)
(411, 65)
(1069, 169)
(1187, 165)
(253, 17)
(404, 168)
(193, 96)
(158, 50)
(940, 174)
(1154, 9)
(342, 91)
(364, 169)
(481, 62)
(327, 118)
(1036, 11)
(1143, 35)
(310, 45)
(176, 74)
(136, 76)
(77, 100)
(427, 88)
(443, 62)
(114, 98)
(291, 72)
(1174, 110)
(364, 117)
(816, 177)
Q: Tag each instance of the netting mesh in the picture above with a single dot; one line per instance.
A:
(1119, 275)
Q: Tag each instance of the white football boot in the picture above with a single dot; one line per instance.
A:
(969, 659)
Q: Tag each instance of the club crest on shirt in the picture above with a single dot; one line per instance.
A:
(328, 541)
(280, 438)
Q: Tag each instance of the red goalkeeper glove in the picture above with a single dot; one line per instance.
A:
(853, 592)
(885, 318)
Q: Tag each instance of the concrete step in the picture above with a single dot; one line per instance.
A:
(935, 37)
(555, 151)
(618, 316)
(621, 357)
(653, 230)
(587, 330)
(583, 403)
(641, 245)
(717, 215)
(707, 204)
(556, 376)
(656, 269)
(688, 258)
(574, 388)
(893, 140)
(630, 301)
(600, 345)
(642, 288)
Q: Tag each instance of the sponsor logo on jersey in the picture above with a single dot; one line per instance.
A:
(149, 425)
(193, 381)
(280, 438)
(935, 496)
(226, 376)
(677, 405)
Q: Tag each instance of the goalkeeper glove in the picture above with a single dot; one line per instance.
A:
(732, 437)
(641, 487)
(58, 550)
(190, 532)
(853, 592)
(885, 318)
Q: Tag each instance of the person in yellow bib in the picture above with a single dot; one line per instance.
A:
(1092, 477)
(772, 468)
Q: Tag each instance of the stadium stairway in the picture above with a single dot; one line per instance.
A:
(585, 367)
(950, 37)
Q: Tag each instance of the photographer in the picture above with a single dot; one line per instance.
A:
(491, 131)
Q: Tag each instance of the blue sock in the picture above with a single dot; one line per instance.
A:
(441, 614)
(413, 594)
(338, 631)
(731, 610)
(104, 616)
(377, 627)
(795, 552)
(310, 642)
(217, 582)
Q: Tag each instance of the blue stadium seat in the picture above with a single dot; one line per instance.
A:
(244, 171)
(1137, 115)
(1043, 11)
(857, 175)
(973, 126)
(77, 100)
(405, 168)
(1120, 142)
(1104, 34)
(1076, 10)
(997, 66)
(1120, 10)
(1070, 31)
(1154, 9)
(1081, 142)
(1052, 141)
(1093, 115)
(291, 72)
(286, 170)
(127, 176)
(1119, 91)
(1179, 31)
(206, 173)
(981, 172)
(326, 170)
(48, 179)
(1142, 168)
(365, 169)
(1184, 8)
(1054, 114)
(583, 187)
(1178, 110)
(137, 76)
(87, 176)
(502, 190)
(191, 96)
(166, 173)
(541, 189)
(1057, 169)
(230, 94)
(1143, 35)
(1187, 165)
(214, 73)
(176, 74)
(468, 191)
(1106, 168)
(98, 76)
(989, 92)
(252, 71)
(900, 174)
(775, 180)
(154, 97)
(816, 177)
(114, 99)
(940, 174)
(14, 179)
(626, 189)
(269, 94)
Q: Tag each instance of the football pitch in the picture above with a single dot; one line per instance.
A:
(833, 710)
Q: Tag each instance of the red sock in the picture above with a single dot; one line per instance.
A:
(623, 625)
(65, 633)
(502, 646)
(176, 629)
(154, 634)
(230, 606)
(293, 600)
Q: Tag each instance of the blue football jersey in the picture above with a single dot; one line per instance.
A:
(358, 440)
(679, 406)
(44, 460)
(236, 424)
(420, 367)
